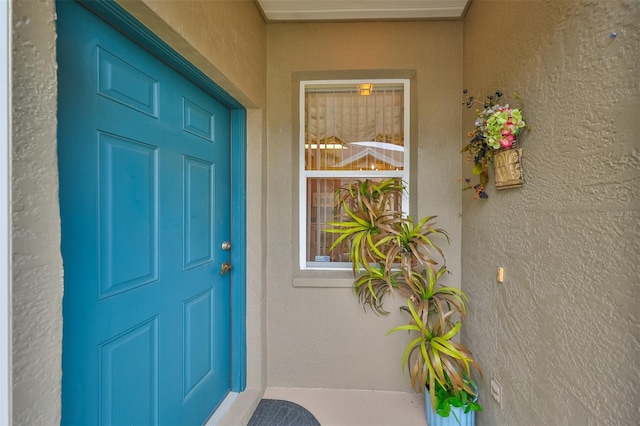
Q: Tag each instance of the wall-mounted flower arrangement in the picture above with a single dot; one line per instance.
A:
(496, 129)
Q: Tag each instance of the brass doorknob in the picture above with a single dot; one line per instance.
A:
(226, 267)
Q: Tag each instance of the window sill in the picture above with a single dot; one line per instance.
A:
(323, 279)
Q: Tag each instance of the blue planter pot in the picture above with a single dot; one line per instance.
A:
(433, 419)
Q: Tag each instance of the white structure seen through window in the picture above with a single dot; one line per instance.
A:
(349, 130)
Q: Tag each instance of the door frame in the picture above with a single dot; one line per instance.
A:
(122, 20)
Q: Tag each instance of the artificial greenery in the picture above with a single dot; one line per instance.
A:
(496, 127)
(391, 253)
(446, 401)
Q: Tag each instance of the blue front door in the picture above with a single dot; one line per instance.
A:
(144, 163)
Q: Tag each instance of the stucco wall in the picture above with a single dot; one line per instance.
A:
(561, 334)
(36, 261)
(223, 38)
(320, 337)
(238, 64)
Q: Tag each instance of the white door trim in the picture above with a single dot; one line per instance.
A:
(5, 209)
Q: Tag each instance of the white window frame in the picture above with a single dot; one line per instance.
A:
(306, 174)
(5, 218)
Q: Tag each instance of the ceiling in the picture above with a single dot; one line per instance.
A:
(361, 10)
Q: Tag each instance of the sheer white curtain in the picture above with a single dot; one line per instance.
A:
(350, 117)
(341, 126)
(347, 136)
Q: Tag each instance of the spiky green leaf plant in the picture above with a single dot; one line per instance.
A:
(373, 284)
(368, 213)
(433, 357)
(431, 297)
(390, 253)
(410, 245)
(362, 231)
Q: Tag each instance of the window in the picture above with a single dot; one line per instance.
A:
(349, 130)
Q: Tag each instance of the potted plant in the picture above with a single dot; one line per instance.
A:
(391, 253)
(496, 128)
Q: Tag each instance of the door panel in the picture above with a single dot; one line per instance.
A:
(198, 216)
(144, 164)
(130, 399)
(128, 203)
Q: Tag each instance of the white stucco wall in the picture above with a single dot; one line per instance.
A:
(561, 334)
(36, 261)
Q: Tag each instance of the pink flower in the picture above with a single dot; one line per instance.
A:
(507, 141)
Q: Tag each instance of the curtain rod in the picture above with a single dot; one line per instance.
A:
(355, 90)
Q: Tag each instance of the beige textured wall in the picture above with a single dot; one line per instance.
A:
(223, 38)
(320, 337)
(36, 261)
(237, 63)
(561, 334)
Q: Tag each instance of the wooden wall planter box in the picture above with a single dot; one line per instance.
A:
(508, 168)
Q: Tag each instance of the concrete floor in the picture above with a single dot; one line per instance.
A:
(336, 407)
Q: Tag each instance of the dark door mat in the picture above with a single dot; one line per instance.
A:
(276, 412)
